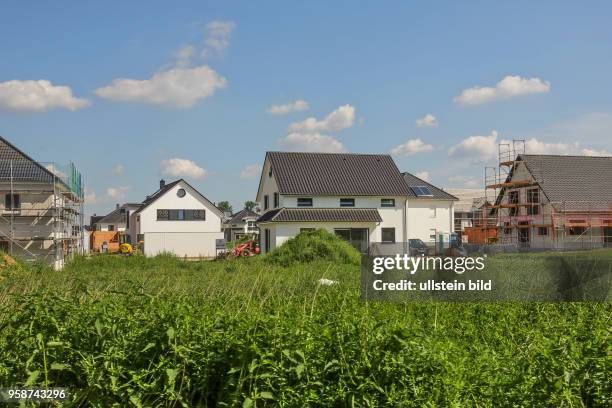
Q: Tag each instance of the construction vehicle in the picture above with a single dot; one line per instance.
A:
(249, 248)
(125, 247)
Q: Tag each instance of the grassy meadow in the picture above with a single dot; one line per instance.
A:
(130, 331)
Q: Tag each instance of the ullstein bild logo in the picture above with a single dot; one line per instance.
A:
(554, 278)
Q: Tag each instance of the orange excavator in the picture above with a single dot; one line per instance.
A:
(249, 248)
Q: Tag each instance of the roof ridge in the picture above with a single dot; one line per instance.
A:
(566, 155)
(331, 153)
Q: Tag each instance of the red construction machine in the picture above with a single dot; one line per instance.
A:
(249, 248)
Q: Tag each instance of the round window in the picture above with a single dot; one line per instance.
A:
(181, 193)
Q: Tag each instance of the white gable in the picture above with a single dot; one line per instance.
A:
(171, 200)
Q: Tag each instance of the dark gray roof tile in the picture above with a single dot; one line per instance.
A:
(438, 194)
(572, 178)
(24, 168)
(337, 174)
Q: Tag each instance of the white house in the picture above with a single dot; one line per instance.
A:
(361, 197)
(430, 210)
(117, 220)
(240, 224)
(177, 219)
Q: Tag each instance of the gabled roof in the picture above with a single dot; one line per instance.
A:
(117, 216)
(95, 219)
(241, 215)
(438, 194)
(321, 215)
(24, 168)
(336, 174)
(114, 217)
(160, 192)
(571, 178)
(168, 186)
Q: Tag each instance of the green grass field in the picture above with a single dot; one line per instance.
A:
(162, 332)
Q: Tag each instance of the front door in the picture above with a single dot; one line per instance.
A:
(358, 237)
(607, 239)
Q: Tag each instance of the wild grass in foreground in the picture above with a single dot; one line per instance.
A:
(163, 332)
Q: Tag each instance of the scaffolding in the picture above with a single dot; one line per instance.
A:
(523, 217)
(42, 211)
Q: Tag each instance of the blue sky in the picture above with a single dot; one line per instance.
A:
(204, 75)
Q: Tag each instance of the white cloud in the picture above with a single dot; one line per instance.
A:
(117, 193)
(412, 147)
(428, 120)
(176, 167)
(218, 36)
(250, 171)
(185, 55)
(118, 170)
(423, 175)
(53, 169)
(341, 118)
(594, 152)
(482, 149)
(509, 87)
(306, 135)
(534, 146)
(296, 106)
(466, 182)
(38, 96)
(478, 149)
(91, 198)
(312, 142)
(176, 87)
(594, 129)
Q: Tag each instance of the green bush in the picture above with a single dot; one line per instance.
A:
(317, 245)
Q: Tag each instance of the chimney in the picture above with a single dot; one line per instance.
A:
(162, 183)
(117, 207)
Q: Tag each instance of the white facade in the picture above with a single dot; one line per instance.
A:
(410, 218)
(428, 218)
(191, 238)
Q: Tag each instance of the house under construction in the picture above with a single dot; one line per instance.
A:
(549, 201)
(42, 211)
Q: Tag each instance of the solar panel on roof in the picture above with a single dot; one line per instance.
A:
(422, 191)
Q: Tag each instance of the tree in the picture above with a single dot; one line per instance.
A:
(225, 206)
(250, 205)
